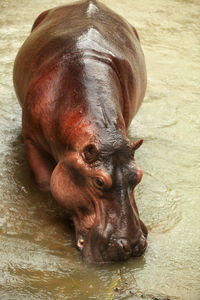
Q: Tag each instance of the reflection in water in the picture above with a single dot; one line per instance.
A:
(38, 255)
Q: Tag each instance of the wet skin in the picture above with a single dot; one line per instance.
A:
(80, 78)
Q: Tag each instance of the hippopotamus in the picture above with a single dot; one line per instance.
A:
(80, 78)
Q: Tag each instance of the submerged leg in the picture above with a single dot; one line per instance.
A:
(41, 163)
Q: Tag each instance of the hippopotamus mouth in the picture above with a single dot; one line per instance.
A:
(101, 250)
(106, 246)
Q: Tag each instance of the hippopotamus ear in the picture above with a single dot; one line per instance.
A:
(90, 153)
(135, 145)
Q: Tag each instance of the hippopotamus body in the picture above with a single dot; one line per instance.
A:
(80, 78)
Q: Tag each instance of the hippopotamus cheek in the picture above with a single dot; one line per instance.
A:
(64, 190)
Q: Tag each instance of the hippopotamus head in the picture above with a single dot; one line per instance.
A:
(95, 182)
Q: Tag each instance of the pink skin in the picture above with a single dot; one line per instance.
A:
(79, 88)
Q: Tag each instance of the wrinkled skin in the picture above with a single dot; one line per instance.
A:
(80, 78)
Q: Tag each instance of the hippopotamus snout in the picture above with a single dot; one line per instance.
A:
(100, 249)
(125, 248)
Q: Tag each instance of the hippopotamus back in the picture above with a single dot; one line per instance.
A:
(65, 33)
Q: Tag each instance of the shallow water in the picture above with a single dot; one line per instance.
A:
(37, 246)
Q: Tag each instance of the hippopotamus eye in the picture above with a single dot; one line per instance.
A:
(90, 153)
(99, 183)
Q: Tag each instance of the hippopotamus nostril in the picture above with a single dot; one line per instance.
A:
(140, 247)
(142, 242)
(124, 244)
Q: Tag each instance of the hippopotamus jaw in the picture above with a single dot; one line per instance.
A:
(98, 247)
(117, 248)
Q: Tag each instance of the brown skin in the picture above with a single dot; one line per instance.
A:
(80, 78)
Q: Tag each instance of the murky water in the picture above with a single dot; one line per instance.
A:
(38, 258)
